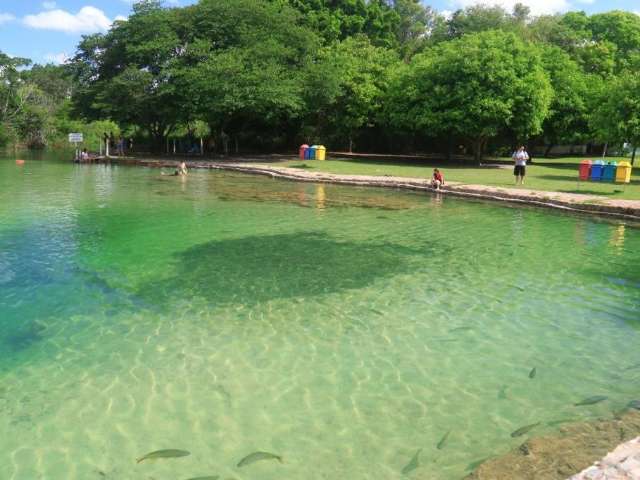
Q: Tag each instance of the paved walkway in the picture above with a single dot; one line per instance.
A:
(575, 202)
(621, 464)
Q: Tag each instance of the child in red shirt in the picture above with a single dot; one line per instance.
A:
(437, 180)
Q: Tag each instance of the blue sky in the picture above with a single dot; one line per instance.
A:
(48, 30)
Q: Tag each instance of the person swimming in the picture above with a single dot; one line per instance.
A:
(180, 171)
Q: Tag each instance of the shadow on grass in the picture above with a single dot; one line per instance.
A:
(300, 165)
(261, 268)
(591, 192)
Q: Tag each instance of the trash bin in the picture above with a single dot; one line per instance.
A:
(585, 170)
(312, 152)
(303, 149)
(307, 153)
(623, 173)
(609, 172)
(596, 170)
(321, 152)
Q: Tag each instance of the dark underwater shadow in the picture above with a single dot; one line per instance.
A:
(260, 268)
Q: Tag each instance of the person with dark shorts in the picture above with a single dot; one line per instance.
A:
(520, 158)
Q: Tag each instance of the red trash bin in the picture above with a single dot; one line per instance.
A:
(303, 149)
(585, 170)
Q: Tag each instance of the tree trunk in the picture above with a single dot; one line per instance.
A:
(604, 151)
(477, 150)
(350, 144)
(633, 155)
(548, 150)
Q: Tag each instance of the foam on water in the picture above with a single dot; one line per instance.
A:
(341, 328)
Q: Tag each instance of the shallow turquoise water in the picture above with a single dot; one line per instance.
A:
(342, 328)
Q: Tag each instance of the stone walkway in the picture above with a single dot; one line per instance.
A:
(574, 202)
(621, 464)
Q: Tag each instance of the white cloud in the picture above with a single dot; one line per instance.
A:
(87, 20)
(538, 7)
(447, 14)
(49, 5)
(6, 17)
(57, 58)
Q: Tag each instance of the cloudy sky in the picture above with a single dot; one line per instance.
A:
(48, 31)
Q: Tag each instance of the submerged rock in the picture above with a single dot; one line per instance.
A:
(558, 456)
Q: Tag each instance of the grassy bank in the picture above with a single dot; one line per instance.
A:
(556, 175)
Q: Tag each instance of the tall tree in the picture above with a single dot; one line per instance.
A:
(475, 87)
(617, 114)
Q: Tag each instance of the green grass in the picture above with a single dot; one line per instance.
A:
(561, 177)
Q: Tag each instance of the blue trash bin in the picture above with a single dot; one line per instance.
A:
(596, 170)
(307, 154)
(609, 172)
(312, 152)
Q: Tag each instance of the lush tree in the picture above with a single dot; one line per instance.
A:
(567, 121)
(353, 78)
(475, 87)
(124, 74)
(617, 114)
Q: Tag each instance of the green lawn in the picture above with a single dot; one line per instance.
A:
(561, 177)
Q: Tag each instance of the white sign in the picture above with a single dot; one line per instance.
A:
(75, 138)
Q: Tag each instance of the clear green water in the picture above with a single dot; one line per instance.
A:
(342, 328)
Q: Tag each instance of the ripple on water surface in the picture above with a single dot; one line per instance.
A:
(343, 329)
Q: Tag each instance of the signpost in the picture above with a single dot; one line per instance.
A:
(76, 138)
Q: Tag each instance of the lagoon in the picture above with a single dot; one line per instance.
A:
(340, 328)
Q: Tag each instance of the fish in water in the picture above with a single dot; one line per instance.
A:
(460, 329)
(443, 441)
(256, 457)
(523, 430)
(532, 373)
(164, 454)
(553, 423)
(413, 464)
(502, 394)
(591, 400)
(634, 404)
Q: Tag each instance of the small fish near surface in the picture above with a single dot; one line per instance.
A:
(532, 373)
(634, 404)
(502, 393)
(413, 464)
(460, 329)
(443, 441)
(522, 430)
(591, 400)
(171, 453)
(256, 457)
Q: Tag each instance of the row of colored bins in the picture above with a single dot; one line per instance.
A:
(313, 152)
(609, 172)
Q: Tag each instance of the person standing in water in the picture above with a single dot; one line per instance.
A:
(520, 158)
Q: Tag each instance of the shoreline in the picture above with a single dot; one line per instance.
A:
(568, 202)
(604, 449)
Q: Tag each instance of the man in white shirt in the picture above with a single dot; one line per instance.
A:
(520, 157)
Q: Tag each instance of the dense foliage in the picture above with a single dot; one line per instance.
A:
(372, 75)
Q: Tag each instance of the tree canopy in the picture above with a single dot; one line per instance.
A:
(377, 74)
